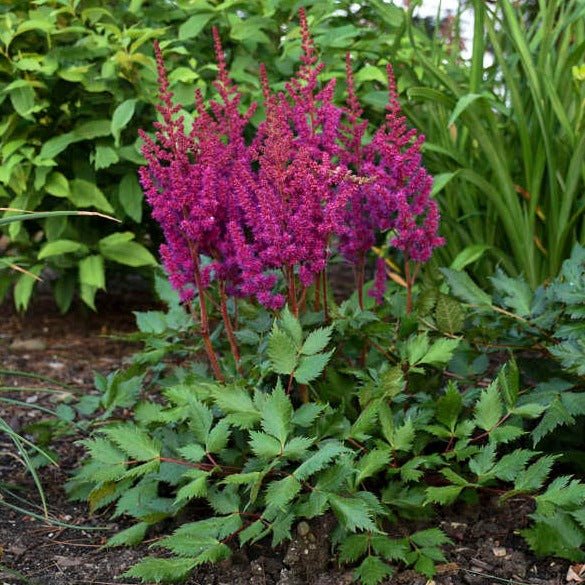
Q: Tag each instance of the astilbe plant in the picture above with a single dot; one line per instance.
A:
(268, 214)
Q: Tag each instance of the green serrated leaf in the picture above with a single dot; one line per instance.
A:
(317, 341)
(218, 437)
(489, 408)
(311, 367)
(449, 406)
(440, 352)
(159, 569)
(403, 436)
(353, 547)
(534, 476)
(194, 489)
(517, 294)
(282, 351)
(130, 536)
(292, 326)
(443, 495)
(465, 289)
(192, 452)
(279, 493)
(352, 512)
(449, 315)
(237, 401)
(372, 571)
(134, 441)
(430, 537)
(277, 412)
(318, 460)
(265, 446)
(297, 447)
(306, 414)
(483, 462)
(371, 463)
(509, 382)
(390, 549)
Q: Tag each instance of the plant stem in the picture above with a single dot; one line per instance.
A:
(229, 327)
(204, 321)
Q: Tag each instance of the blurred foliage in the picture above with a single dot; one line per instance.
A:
(77, 80)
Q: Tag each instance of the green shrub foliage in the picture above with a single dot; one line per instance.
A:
(374, 417)
(77, 81)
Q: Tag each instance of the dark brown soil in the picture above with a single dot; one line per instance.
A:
(486, 549)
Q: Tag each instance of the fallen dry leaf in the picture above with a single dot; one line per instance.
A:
(575, 573)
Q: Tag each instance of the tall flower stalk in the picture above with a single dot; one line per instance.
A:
(261, 219)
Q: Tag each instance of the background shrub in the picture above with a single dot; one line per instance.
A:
(77, 80)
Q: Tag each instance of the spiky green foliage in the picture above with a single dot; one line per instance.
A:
(414, 412)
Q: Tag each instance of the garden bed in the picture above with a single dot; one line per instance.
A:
(485, 547)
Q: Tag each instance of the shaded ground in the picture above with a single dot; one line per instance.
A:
(486, 549)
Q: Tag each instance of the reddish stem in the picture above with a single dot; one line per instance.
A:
(228, 327)
(204, 320)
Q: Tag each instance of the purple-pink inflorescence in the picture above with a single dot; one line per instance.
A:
(276, 206)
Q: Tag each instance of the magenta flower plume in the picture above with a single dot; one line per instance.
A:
(249, 214)
(397, 195)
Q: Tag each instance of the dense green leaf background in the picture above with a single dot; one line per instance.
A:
(505, 136)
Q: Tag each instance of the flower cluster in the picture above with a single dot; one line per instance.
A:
(274, 209)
